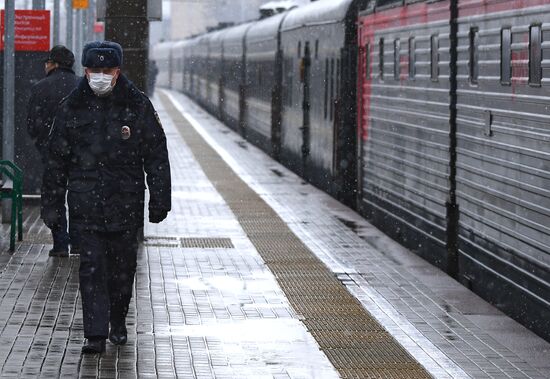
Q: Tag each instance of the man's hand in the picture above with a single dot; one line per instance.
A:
(157, 215)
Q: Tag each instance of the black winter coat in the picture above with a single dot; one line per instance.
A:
(45, 97)
(99, 150)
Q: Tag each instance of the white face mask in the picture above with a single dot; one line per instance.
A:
(100, 83)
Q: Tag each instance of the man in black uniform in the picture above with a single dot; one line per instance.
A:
(60, 80)
(104, 140)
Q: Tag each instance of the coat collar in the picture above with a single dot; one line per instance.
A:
(125, 92)
(59, 70)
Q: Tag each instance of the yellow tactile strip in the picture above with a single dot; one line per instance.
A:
(355, 343)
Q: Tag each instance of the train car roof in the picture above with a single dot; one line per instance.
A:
(181, 43)
(166, 45)
(267, 28)
(236, 34)
(318, 12)
(215, 37)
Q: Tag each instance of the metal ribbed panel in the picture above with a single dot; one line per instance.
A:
(503, 161)
(350, 337)
(405, 119)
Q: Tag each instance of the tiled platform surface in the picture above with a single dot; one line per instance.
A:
(219, 313)
(196, 313)
(439, 321)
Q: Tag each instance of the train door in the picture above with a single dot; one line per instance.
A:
(221, 85)
(346, 141)
(305, 77)
(276, 106)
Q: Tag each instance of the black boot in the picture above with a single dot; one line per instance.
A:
(94, 346)
(118, 334)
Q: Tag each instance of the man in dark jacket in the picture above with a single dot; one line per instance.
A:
(105, 138)
(60, 80)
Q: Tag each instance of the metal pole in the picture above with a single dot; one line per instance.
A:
(126, 23)
(38, 4)
(69, 40)
(84, 14)
(8, 119)
(78, 41)
(91, 20)
(56, 22)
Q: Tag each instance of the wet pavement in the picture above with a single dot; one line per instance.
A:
(207, 306)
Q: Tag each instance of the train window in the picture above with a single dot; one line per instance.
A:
(299, 49)
(474, 55)
(381, 58)
(396, 59)
(434, 62)
(326, 87)
(316, 49)
(383, 3)
(332, 89)
(367, 62)
(506, 56)
(535, 56)
(338, 70)
(290, 82)
(412, 58)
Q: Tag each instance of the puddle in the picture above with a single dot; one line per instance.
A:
(278, 173)
(350, 224)
(205, 196)
(259, 282)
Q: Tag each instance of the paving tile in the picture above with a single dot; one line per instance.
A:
(378, 277)
(219, 313)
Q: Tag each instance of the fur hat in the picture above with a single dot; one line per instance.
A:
(61, 55)
(102, 54)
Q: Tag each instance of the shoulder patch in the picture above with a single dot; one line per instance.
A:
(158, 120)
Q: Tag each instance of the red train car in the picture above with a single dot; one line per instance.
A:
(453, 123)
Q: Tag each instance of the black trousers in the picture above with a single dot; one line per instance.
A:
(107, 268)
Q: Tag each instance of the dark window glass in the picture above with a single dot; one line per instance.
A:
(434, 52)
(506, 56)
(259, 75)
(338, 68)
(412, 58)
(535, 56)
(381, 58)
(474, 55)
(367, 62)
(332, 89)
(299, 52)
(396, 59)
(381, 3)
(326, 87)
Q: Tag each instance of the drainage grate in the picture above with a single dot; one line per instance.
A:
(161, 241)
(207, 243)
(189, 242)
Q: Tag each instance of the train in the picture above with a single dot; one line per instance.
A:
(430, 118)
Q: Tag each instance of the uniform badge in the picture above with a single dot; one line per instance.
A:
(125, 132)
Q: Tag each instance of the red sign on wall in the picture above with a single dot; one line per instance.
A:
(99, 27)
(32, 30)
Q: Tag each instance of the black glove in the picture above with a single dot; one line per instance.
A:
(157, 215)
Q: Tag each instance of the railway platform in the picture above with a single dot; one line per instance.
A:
(256, 274)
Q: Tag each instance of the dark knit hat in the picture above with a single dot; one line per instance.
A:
(61, 55)
(102, 54)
